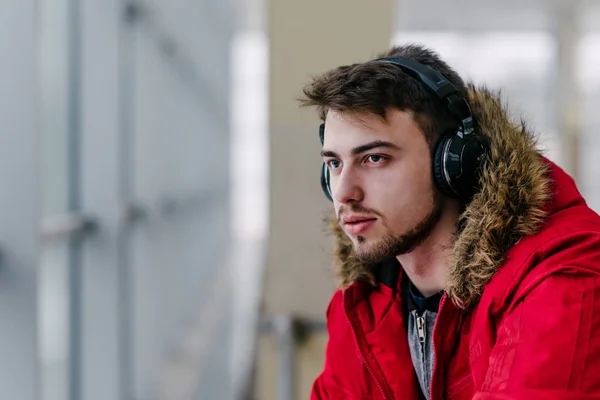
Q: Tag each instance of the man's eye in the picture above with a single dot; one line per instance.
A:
(375, 158)
(334, 164)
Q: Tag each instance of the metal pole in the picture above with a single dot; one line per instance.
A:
(284, 330)
(568, 99)
(74, 224)
(132, 14)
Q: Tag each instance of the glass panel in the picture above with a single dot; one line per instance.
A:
(180, 171)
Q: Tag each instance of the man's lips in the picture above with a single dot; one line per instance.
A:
(356, 225)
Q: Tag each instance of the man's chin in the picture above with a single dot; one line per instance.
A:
(371, 252)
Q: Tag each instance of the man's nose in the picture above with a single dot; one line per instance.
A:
(346, 187)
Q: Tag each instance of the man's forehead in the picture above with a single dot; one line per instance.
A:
(346, 129)
(355, 118)
(357, 123)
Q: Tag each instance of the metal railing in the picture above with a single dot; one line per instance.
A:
(66, 226)
(288, 331)
(75, 224)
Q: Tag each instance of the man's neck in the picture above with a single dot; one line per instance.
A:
(427, 266)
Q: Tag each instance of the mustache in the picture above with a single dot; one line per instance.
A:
(356, 208)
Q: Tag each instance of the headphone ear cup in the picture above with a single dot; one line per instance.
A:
(324, 169)
(438, 166)
(325, 182)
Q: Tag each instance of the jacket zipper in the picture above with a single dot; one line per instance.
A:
(435, 355)
(363, 358)
(421, 328)
(420, 323)
(364, 361)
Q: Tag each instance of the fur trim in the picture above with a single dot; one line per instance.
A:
(515, 188)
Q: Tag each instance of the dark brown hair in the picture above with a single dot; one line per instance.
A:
(376, 87)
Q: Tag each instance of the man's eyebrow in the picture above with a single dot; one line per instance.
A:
(362, 148)
(372, 145)
(329, 153)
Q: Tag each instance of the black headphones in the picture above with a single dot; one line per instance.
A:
(459, 154)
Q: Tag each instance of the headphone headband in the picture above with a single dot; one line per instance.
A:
(435, 81)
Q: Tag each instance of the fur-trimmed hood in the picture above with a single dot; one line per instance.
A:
(514, 190)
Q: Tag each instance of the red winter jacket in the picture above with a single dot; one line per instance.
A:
(521, 315)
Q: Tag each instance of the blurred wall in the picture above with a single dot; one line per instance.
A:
(19, 242)
(306, 39)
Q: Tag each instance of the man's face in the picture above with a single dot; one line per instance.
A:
(381, 182)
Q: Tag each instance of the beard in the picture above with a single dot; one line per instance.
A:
(392, 245)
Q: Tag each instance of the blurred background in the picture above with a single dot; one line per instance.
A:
(162, 231)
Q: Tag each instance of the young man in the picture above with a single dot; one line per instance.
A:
(469, 263)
